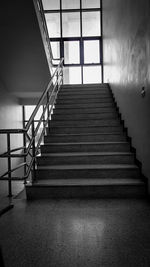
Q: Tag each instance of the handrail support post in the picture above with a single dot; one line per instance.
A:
(9, 166)
(33, 153)
(24, 143)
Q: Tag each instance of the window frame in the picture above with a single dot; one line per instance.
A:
(81, 39)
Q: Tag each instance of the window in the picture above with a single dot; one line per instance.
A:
(53, 24)
(91, 23)
(55, 49)
(71, 52)
(91, 52)
(92, 74)
(51, 4)
(71, 24)
(74, 28)
(72, 75)
(70, 4)
(90, 4)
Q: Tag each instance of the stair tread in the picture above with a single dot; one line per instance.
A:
(88, 96)
(86, 119)
(67, 154)
(83, 134)
(87, 182)
(82, 126)
(87, 166)
(84, 143)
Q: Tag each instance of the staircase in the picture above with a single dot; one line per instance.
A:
(86, 151)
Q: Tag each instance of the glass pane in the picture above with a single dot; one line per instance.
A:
(55, 49)
(90, 3)
(71, 24)
(70, 4)
(51, 4)
(92, 74)
(72, 75)
(91, 23)
(71, 52)
(91, 52)
(53, 24)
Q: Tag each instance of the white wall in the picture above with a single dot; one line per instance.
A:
(127, 68)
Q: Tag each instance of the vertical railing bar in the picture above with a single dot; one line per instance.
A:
(33, 152)
(24, 143)
(57, 75)
(9, 166)
(43, 119)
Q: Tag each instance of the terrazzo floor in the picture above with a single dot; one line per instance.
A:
(76, 233)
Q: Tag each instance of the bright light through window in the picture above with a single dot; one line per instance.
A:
(53, 24)
(51, 4)
(72, 75)
(71, 52)
(91, 52)
(92, 74)
(55, 49)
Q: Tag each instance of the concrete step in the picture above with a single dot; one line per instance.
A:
(84, 105)
(86, 171)
(85, 137)
(84, 123)
(88, 116)
(86, 188)
(82, 95)
(84, 110)
(85, 91)
(84, 101)
(85, 158)
(86, 129)
(85, 147)
(82, 87)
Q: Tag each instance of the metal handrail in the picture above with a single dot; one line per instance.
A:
(49, 96)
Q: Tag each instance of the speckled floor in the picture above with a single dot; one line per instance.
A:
(76, 233)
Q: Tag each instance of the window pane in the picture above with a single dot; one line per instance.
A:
(91, 23)
(55, 49)
(70, 4)
(91, 52)
(51, 4)
(92, 74)
(71, 52)
(90, 3)
(53, 24)
(71, 24)
(72, 75)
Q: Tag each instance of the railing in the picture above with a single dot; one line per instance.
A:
(32, 137)
(31, 145)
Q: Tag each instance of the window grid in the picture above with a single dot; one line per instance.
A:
(81, 38)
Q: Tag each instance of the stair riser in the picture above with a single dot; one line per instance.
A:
(109, 191)
(84, 123)
(71, 111)
(61, 160)
(87, 105)
(84, 101)
(85, 148)
(85, 116)
(85, 89)
(75, 130)
(87, 173)
(86, 95)
(85, 138)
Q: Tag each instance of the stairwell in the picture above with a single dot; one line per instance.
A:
(86, 151)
